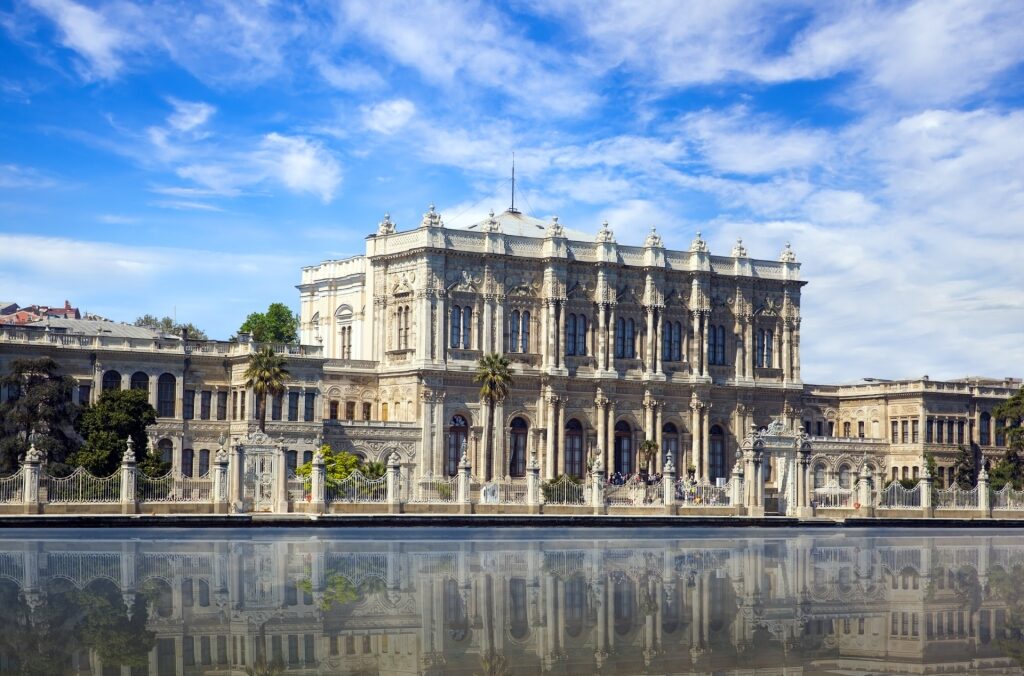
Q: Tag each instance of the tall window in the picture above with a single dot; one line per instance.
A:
(985, 429)
(672, 341)
(188, 461)
(310, 403)
(819, 476)
(350, 410)
(165, 396)
(332, 410)
(140, 381)
(906, 431)
(846, 429)
(581, 335)
(222, 405)
(844, 476)
(769, 343)
(570, 335)
(670, 443)
(524, 333)
(895, 432)
(111, 381)
(367, 410)
(461, 321)
(467, 319)
(720, 344)
(204, 404)
(620, 338)
(455, 326)
(517, 454)
(293, 406)
(513, 331)
(929, 431)
(346, 342)
(165, 447)
(188, 404)
(860, 429)
(402, 327)
(630, 339)
(716, 456)
(1001, 432)
(458, 433)
(915, 431)
(623, 448)
(275, 406)
(204, 462)
(574, 449)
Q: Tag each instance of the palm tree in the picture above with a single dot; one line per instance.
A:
(495, 379)
(265, 375)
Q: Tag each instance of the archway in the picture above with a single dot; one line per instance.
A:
(623, 448)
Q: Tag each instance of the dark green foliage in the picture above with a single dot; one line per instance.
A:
(42, 404)
(168, 325)
(1010, 469)
(106, 426)
(265, 375)
(965, 470)
(277, 325)
(495, 379)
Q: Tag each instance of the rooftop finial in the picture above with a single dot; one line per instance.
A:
(512, 209)
(698, 244)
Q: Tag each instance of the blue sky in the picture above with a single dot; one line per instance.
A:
(191, 157)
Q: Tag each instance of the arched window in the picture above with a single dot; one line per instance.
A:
(525, 333)
(458, 432)
(140, 381)
(111, 381)
(513, 331)
(620, 338)
(456, 326)
(384, 411)
(844, 476)
(630, 339)
(581, 335)
(716, 457)
(517, 454)
(165, 447)
(204, 461)
(720, 345)
(307, 457)
(570, 335)
(574, 449)
(985, 429)
(670, 444)
(819, 475)
(165, 387)
(467, 320)
(623, 448)
(188, 461)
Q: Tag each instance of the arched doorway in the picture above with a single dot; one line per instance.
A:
(669, 445)
(623, 448)
(458, 432)
(574, 449)
(716, 456)
(517, 451)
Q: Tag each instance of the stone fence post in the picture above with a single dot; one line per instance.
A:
(30, 492)
(668, 485)
(129, 480)
(926, 493)
(597, 487)
(318, 483)
(220, 481)
(533, 485)
(394, 483)
(736, 486)
(465, 507)
(867, 507)
(984, 497)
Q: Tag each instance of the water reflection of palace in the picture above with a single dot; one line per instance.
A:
(833, 603)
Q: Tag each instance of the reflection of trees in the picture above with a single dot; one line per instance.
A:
(340, 591)
(1009, 586)
(493, 663)
(63, 620)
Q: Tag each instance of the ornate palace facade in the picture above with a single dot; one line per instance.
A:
(611, 346)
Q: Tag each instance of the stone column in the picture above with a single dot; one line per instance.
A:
(438, 464)
(441, 336)
(281, 480)
(748, 349)
(549, 442)
(659, 342)
(668, 485)
(705, 439)
(609, 451)
(706, 321)
(658, 425)
(533, 485)
(739, 358)
(867, 507)
(549, 353)
(486, 344)
(236, 468)
(393, 484)
(600, 405)
(927, 511)
(463, 494)
(129, 504)
(984, 497)
(610, 351)
(695, 435)
(560, 458)
(220, 481)
(426, 464)
(602, 339)
(649, 351)
(786, 363)
(597, 487)
(560, 350)
(30, 476)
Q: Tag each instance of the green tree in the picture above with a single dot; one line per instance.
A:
(277, 325)
(168, 325)
(106, 426)
(41, 404)
(337, 466)
(495, 379)
(648, 451)
(1010, 468)
(265, 374)
(965, 471)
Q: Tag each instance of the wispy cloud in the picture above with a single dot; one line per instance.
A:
(15, 176)
(387, 117)
(88, 33)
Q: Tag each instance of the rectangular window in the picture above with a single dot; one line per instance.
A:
(949, 431)
(333, 414)
(831, 428)
(807, 427)
(293, 406)
(367, 411)
(846, 430)
(188, 651)
(960, 432)
(84, 392)
(895, 432)
(241, 404)
(350, 410)
(906, 432)
(204, 404)
(188, 405)
(860, 429)
(309, 647)
(915, 431)
(204, 650)
(310, 402)
(275, 407)
(222, 650)
(928, 431)
(234, 405)
(293, 649)
(818, 426)
(939, 426)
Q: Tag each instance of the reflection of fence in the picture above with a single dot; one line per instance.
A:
(175, 487)
(12, 487)
(443, 489)
(357, 488)
(1008, 498)
(502, 493)
(702, 493)
(833, 496)
(895, 496)
(564, 491)
(955, 497)
(82, 486)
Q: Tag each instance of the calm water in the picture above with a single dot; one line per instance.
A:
(511, 602)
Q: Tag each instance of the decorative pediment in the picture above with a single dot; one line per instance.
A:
(464, 281)
(770, 308)
(626, 294)
(675, 297)
(403, 285)
(581, 290)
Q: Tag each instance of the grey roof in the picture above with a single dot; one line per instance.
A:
(518, 223)
(96, 327)
(7, 304)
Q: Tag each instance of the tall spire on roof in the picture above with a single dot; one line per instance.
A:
(512, 209)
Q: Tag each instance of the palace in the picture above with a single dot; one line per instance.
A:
(611, 346)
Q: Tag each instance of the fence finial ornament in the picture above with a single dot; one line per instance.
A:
(670, 465)
(33, 454)
(129, 453)
(394, 458)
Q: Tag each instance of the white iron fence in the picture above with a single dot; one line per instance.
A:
(81, 487)
(565, 491)
(298, 489)
(357, 488)
(631, 492)
(834, 496)
(701, 493)
(12, 487)
(503, 493)
(1008, 498)
(895, 496)
(438, 490)
(174, 487)
(955, 497)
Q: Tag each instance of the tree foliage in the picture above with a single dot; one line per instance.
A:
(168, 325)
(265, 374)
(337, 466)
(1010, 468)
(277, 325)
(106, 426)
(41, 403)
(965, 471)
(495, 378)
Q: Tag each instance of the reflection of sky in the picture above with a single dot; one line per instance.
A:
(506, 602)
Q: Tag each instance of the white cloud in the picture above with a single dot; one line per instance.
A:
(188, 115)
(302, 165)
(89, 34)
(388, 117)
(349, 76)
(16, 176)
